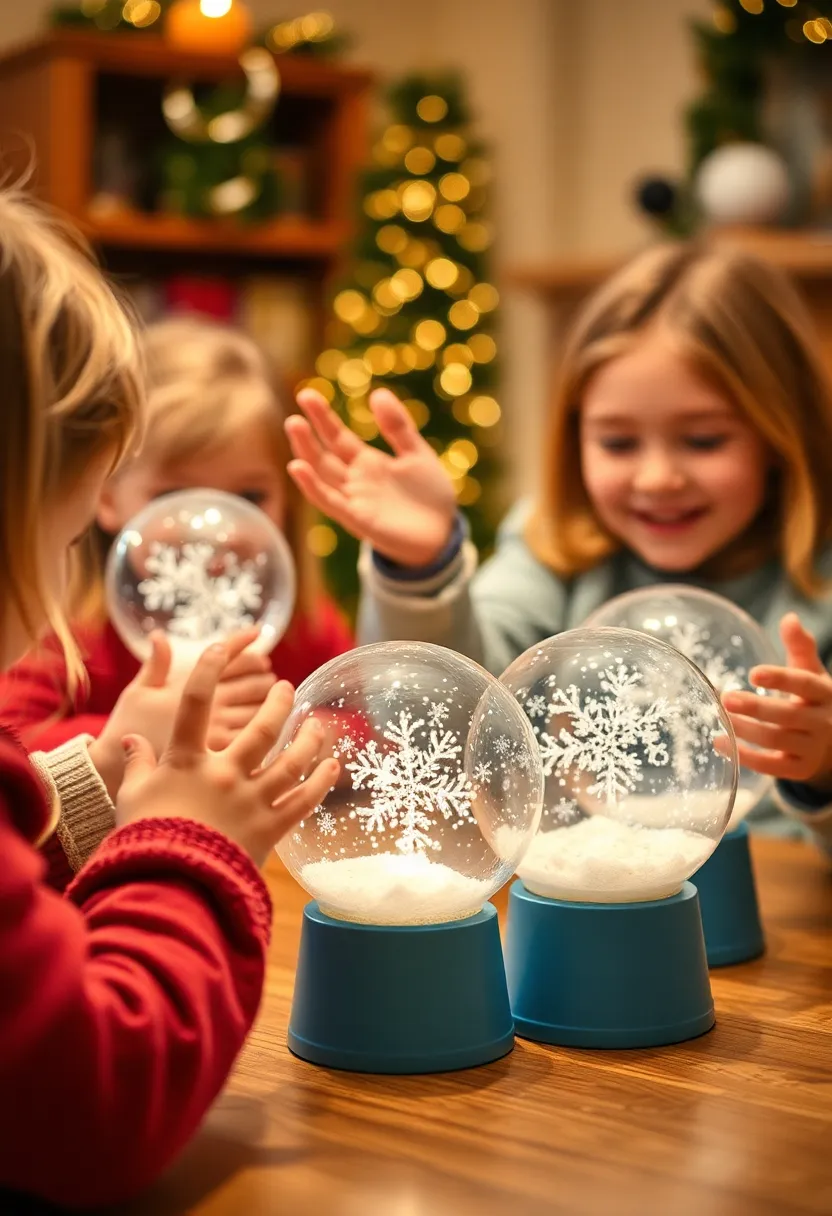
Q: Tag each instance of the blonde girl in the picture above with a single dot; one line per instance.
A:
(690, 440)
(123, 1004)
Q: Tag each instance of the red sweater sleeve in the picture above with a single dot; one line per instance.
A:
(123, 1006)
(34, 701)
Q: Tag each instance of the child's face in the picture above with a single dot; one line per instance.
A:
(243, 466)
(673, 471)
(61, 525)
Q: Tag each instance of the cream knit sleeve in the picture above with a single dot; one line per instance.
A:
(82, 811)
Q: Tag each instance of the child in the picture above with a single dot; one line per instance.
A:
(691, 440)
(214, 420)
(123, 1004)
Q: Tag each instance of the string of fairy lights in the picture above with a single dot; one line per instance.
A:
(806, 24)
(448, 337)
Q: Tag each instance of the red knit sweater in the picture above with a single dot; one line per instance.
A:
(33, 697)
(123, 1005)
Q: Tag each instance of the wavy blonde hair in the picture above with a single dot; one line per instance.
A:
(72, 391)
(206, 381)
(740, 324)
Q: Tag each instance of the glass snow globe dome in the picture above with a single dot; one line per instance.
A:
(440, 790)
(199, 565)
(638, 791)
(723, 641)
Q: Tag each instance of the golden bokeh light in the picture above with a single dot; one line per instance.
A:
(450, 147)
(475, 237)
(753, 6)
(418, 411)
(405, 358)
(391, 238)
(484, 296)
(462, 454)
(424, 358)
(415, 254)
(449, 218)
(432, 108)
(459, 409)
(407, 285)
(354, 376)
(397, 138)
(381, 358)
(441, 273)
(455, 379)
(815, 32)
(419, 161)
(483, 348)
(429, 334)
(484, 411)
(382, 204)
(385, 298)
(463, 314)
(457, 353)
(328, 362)
(350, 305)
(322, 540)
(724, 19)
(454, 187)
(468, 491)
(371, 322)
(417, 200)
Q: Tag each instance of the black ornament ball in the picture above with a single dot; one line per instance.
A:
(656, 196)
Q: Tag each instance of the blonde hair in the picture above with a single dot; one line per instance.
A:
(739, 322)
(205, 382)
(72, 391)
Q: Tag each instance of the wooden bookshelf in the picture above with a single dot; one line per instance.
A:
(58, 92)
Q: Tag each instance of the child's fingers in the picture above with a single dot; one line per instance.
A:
(395, 423)
(237, 642)
(139, 763)
(766, 735)
(811, 687)
(792, 715)
(770, 763)
(249, 663)
(190, 728)
(328, 426)
(259, 736)
(294, 762)
(245, 690)
(329, 501)
(303, 798)
(800, 646)
(305, 446)
(155, 670)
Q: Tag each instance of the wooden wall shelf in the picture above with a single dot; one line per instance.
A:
(279, 240)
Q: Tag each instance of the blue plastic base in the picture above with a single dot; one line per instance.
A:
(728, 898)
(607, 975)
(400, 999)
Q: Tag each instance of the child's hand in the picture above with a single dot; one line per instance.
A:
(244, 686)
(794, 732)
(403, 504)
(148, 707)
(228, 790)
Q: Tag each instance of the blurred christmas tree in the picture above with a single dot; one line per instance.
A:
(418, 313)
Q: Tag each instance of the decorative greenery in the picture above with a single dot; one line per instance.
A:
(417, 313)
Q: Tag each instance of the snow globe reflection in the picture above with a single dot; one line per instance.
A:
(440, 793)
(199, 565)
(637, 796)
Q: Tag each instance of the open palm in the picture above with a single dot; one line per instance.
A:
(402, 504)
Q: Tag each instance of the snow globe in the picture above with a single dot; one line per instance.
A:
(725, 643)
(605, 945)
(400, 967)
(199, 565)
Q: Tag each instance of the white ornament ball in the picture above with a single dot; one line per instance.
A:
(199, 565)
(637, 792)
(743, 184)
(440, 790)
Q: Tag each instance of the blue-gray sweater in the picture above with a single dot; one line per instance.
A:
(513, 602)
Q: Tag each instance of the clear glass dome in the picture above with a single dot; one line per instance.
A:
(637, 795)
(723, 641)
(199, 565)
(440, 790)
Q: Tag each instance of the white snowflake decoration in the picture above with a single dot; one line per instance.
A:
(537, 706)
(482, 772)
(694, 643)
(437, 713)
(345, 746)
(610, 734)
(411, 783)
(512, 753)
(201, 603)
(326, 824)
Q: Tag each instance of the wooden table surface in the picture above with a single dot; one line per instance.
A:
(738, 1121)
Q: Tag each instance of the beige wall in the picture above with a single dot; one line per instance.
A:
(577, 98)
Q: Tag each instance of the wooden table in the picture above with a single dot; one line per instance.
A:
(739, 1121)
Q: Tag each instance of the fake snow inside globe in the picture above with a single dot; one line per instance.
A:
(723, 641)
(637, 794)
(199, 565)
(440, 790)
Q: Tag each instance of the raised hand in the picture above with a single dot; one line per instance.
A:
(402, 504)
(229, 790)
(792, 734)
(246, 682)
